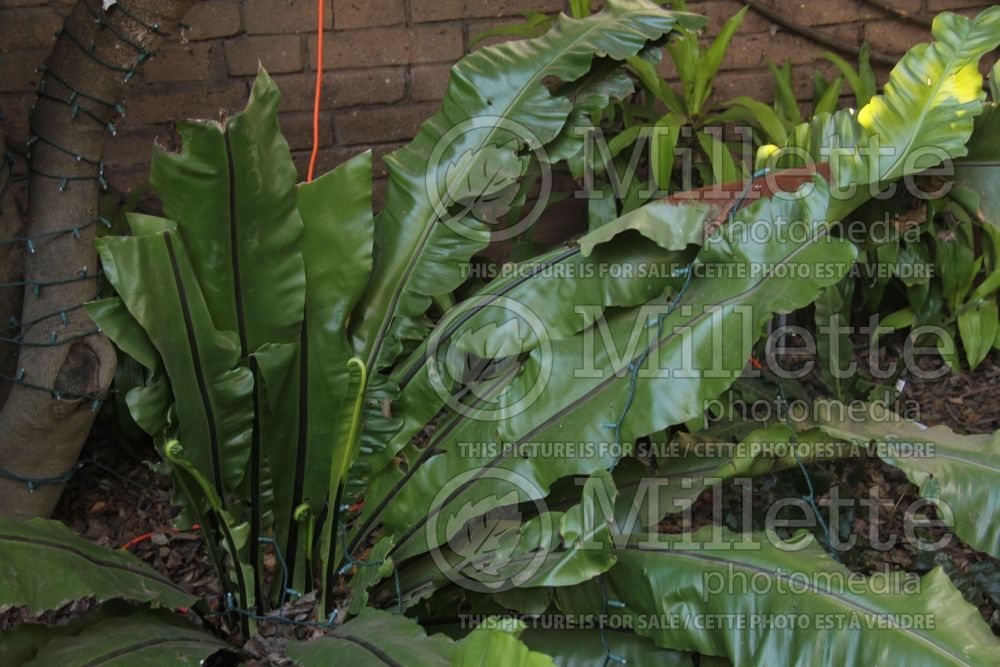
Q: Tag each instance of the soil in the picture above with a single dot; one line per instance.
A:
(119, 497)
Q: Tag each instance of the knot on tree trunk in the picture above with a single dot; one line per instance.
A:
(80, 375)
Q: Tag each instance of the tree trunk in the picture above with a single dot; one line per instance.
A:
(64, 367)
(11, 270)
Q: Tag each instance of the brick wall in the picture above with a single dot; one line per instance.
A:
(386, 62)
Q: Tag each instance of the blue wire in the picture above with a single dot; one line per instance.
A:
(636, 364)
(607, 603)
(634, 367)
(34, 482)
(399, 592)
(811, 498)
(285, 591)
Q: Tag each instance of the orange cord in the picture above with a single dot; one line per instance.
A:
(145, 537)
(319, 89)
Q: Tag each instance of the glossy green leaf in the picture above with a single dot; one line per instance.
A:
(143, 638)
(155, 279)
(150, 401)
(766, 117)
(345, 449)
(724, 169)
(786, 102)
(863, 87)
(833, 343)
(684, 582)
(590, 94)
(711, 61)
(671, 226)
(828, 102)
(421, 251)
(593, 385)
(979, 170)
(662, 149)
(978, 329)
(307, 382)
(114, 319)
(502, 647)
(960, 471)
(584, 648)
(685, 54)
(34, 550)
(506, 552)
(937, 81)
(230, 191)
(377, 639)
(602, 207)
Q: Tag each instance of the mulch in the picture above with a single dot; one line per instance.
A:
(121, 499)
(117, 498)
(966, 402)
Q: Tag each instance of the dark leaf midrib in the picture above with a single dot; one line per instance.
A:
(301, 448)
(94, 560)
(400, 287)
(371, 648)
(234, 247)
(146, 644)
(778, 574)
(255, 482)
(556, 416)
(241, 326)
(425, 455)
(488, 299)
(199, 373)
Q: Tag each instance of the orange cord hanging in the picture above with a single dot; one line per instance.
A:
(145, 537)
(319, 89)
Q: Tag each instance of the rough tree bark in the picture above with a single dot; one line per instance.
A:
(42, 432)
